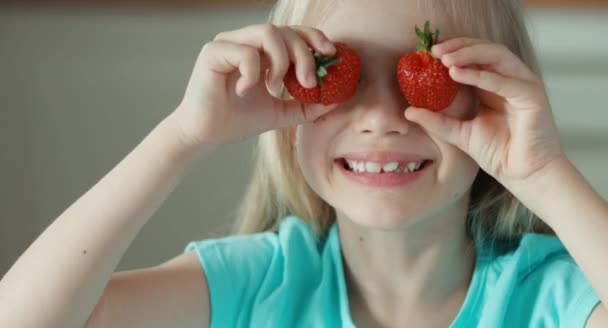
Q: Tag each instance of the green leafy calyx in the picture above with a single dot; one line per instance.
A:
(427, 38)
(322, 63)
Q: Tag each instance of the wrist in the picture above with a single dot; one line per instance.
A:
(554, 191)
(183, 147)
(542, 178)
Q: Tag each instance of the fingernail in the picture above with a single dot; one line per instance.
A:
(409, 111)
(329, 47)
(239, 87)
(239, 91)
(311, 79)
(275, 86)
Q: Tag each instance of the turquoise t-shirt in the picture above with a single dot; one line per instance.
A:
(290, 279)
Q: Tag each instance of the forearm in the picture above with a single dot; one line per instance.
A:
(578, 214)
(60, 277)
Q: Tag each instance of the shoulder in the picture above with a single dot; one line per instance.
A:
(531, 256)
(253, 278)
(538, 280)
(535, 259)
(293, 235)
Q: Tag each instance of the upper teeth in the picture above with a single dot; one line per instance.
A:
(390, 167)
(374, 167)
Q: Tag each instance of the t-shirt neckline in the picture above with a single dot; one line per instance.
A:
(466, 312)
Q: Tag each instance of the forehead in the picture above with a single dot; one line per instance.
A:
(386, 25)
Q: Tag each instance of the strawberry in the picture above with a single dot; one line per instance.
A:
(337, 78)
(423, 79)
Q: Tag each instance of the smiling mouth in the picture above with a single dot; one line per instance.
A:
(382, 168)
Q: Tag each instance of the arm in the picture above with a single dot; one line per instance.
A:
(562, 197)
(69, 264)
(598, 318)
(514, 139)
(174, 294)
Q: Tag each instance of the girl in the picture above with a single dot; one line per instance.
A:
(468, 240)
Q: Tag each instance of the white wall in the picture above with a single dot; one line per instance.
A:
(573, 51)
(81, 87)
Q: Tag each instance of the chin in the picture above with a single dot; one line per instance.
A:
(380, 216)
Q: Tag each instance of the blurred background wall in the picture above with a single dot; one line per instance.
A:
(80, 86)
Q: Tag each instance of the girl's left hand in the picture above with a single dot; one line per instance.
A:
(514, 135)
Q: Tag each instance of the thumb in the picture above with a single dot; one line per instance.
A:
(447, 128)
(294, 112)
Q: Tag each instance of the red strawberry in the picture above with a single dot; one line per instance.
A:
(424, 80)
(337, 78)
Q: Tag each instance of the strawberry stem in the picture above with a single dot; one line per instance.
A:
(323, 62)
(427, 38)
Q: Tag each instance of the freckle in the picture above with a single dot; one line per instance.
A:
(84, 251)
(361, 239)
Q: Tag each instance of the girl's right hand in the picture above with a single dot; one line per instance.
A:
(227, 98)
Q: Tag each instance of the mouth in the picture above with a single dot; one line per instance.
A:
(386, 167)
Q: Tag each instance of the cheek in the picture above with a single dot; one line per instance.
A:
(464, 106)
(331, 116)
(308, 135)
(309, 147)
(458, 170)
(304, 161)
(314, 138)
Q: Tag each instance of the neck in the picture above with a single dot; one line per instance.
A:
(421, 266)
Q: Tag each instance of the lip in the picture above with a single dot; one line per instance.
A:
(385, 179)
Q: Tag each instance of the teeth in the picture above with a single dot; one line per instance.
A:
(411, 166)
(361, 167)
(390, 167)
(372, 167)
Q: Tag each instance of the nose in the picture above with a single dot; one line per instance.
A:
(380, 112)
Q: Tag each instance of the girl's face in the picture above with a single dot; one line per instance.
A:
(372, 131)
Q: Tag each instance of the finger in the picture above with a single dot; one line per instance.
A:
(268, 39)
(301, 55)
(452, 45)
(311, 113)
(292, 112)
(492, 82)
(447, 128)
(495, 56)
(224, 57)
(316, 39)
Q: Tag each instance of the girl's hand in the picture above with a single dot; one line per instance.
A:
(514, 135)
(227, 98)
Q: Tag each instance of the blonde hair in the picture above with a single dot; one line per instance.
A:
(278, 188)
